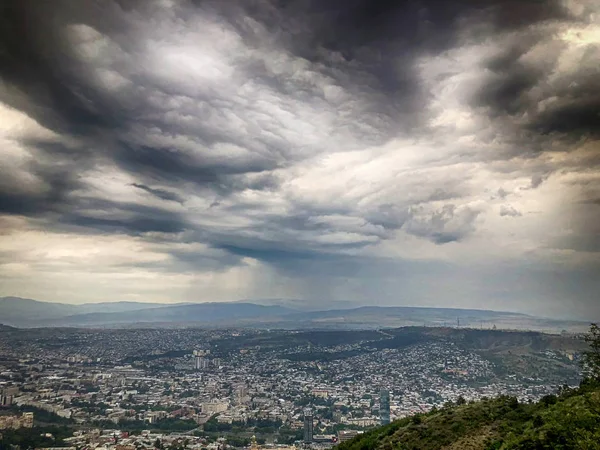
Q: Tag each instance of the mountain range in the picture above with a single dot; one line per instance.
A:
(21, 312)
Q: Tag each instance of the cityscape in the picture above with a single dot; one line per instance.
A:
(126, 389)
(299, 225)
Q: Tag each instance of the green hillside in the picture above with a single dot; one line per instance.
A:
(569, 421)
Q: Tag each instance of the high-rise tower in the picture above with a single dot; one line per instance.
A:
(308, 425)
(384, 407)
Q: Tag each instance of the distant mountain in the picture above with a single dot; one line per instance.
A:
(13, 310)
(115, 307)
(395, 316)
(304, 304)
(201, 313)
(31, 313)
(414, 313)
(18, 311)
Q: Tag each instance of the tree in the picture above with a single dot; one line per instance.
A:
(591, 358)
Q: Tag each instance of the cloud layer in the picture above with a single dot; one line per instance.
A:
(377, 152)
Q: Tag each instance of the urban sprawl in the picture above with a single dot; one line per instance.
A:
(212, 389)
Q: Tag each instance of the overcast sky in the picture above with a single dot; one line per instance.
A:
(376, 152)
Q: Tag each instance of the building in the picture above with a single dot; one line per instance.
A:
(27, 420)
(254, 446)
(155, 416)
(201, 363)
(201, 359)
(324, 438)
(241, 390)
(61, 448)
(308, 426)
(362, 421)
(384, 407)
(7, 395)
(214, 407)
(322, 393)
(15, 422)
(6, 400)
(241, 393)
(346, 435)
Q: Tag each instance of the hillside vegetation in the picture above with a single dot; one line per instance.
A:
(568, 421)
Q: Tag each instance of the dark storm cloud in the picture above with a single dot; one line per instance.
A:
(525, 84)
(60, 178)
(130, 218)
(379, 40)
(505, 92)
(302, 236)
(348, 66)
(160, 193)
(44, 80)
(48, 82)
(580, 115)
(16, 199)
(350, 26)
(134, 225)
(272, 255)
(51, 85)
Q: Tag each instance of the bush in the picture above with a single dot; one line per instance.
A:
(538, 421)
(548, 400)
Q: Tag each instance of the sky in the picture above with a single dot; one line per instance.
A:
(364, 152)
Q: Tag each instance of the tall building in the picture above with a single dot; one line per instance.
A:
(308, 426)
(384, 407)
(7, 395)
(6, 400)
(240, 393)
(201, 363)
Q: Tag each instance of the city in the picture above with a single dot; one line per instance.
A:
(299, 225)
(212, 388)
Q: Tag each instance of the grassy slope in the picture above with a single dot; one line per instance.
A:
(573, 422)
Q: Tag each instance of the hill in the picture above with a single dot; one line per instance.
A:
(201, 313)
(17, 311)
(275, 316)
(21, 312)
(569, 421)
